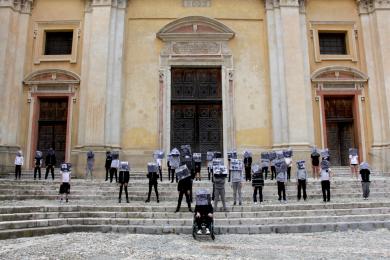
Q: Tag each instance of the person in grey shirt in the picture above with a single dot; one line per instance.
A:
(301, 179)
(236, 166)
(90, 163)
(220, 174)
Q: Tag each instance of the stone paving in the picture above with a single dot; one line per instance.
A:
(325, 245)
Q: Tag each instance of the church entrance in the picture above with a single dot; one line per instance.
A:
(52, 125)
(196, 109)
(340, 129)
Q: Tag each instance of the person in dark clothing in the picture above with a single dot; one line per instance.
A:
(248, 165)
(315, 163)
(124, 177)
(169, 168)
(153, 178)
(301, 179)
(257, 183)
(184, 186)
(108, 163)
(50, 163)
(115, 163)
(365, 174)
(272, 159)
(38, 163)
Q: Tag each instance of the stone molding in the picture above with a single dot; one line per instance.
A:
(52, 77)
(196, 3)
(89, 4)
(195, 27)
(369, 6)
(22, 6)
(274, 4)
(338, 74)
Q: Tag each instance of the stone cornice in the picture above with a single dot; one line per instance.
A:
(272, 4)
(368, 6)
(22, 6)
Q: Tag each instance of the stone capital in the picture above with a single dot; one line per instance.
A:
(369, 6)
(272, 4)
(89, 4)
(21, 6)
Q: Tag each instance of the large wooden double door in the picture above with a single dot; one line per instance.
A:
(52, 125)
(196, 109)
(340, 128)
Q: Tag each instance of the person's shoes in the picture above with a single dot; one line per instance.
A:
(147, 201)
(35, 179)
(234, 204)
(66, 200)
(158, 201)
(240, 203)
(255, 203)
(199, 232)
(119, 200)
(190, 210)
(207, 231)
(127, 200)
(285, 201)
(177, 210)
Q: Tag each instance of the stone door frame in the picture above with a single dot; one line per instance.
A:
(196, 41)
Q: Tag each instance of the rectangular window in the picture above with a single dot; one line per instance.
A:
(58, 42)
(332, 43)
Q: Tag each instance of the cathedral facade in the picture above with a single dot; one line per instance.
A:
(141, 75)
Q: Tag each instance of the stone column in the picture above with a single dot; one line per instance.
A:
(14, 19)
(102, 79)
(375, 20)
(292, 116)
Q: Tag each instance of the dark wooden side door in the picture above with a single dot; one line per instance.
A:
(196, 109)
(52, 126)
(339, 129)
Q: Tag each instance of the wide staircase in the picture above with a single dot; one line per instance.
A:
(31, 208)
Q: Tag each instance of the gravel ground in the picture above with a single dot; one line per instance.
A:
(327, 245)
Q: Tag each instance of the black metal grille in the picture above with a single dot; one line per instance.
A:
(58, 43)
(332, 43)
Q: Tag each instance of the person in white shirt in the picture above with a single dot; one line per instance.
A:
(65, 185)
(19, 161)
(354, 162)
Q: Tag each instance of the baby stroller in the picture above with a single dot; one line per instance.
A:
(203, 225)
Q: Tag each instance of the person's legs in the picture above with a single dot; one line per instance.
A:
(323, 187)
(299, 190)
(216, 198)
(328, 190)
(149, 192)
(179, 200)
(254, 194)
(39, 172)
(127, 195)
(107, 170)
(156, 191)
(304, 189)
(188, 199)
(120, 192)
(116, 174)
(52, 171)
(235, 192)
(288, 173)
(261, 193)
(239, 193)
(47, 172)
(284, 191)
(279, 191)
(273, 172)
(35, 172)
(222, 194)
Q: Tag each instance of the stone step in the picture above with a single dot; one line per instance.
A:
(186, 215)
(188, 221)
(242, 229)
(164, 208)
(246, 197)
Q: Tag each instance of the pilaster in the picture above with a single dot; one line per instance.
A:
(375, 20)
(289, 67)
(14, 17)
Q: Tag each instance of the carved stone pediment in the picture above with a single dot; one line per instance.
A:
(195, 28)
(338, 74)
(52, 77)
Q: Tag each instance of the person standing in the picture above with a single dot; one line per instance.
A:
(184, 186)
(220, 174)
(169, 158)
(354, 162)
(365, 175)
(115, 163)
(248, 165)
(174, 163)
(197, 157)
(325, 176)
(153, 179)
(264, 159)
(90, 164)
(19, 161)
(301, 179)
(124, 177)
(38, 164)
(257, 183)
(107, 165)
(315, 163)
(281, 177)
(272, 158)
(50, 163)
(65, 185)
(288, 159)
(237, 179)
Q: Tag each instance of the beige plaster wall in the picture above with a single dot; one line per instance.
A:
(142, 48)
